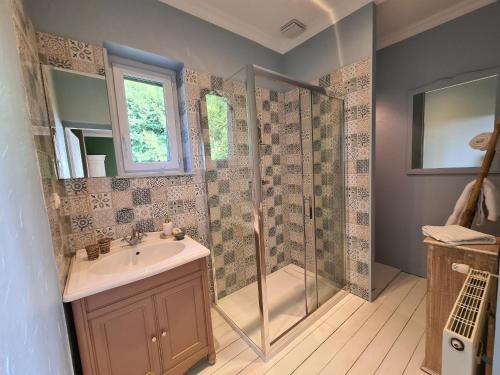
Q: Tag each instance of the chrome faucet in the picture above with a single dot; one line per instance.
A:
(135, 238)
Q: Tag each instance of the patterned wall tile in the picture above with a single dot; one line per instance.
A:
(70, 54)
(100, 201)
(141, 197)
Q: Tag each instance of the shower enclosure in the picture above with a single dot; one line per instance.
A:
(275, 185)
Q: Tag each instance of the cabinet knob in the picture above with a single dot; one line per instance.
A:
(153, 339)
(164, 333)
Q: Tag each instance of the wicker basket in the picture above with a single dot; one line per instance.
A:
(92, 251)
(104, 245)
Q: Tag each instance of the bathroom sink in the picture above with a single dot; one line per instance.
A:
(135, 257)
(125, 264)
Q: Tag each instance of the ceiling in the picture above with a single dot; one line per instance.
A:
(260, 20)
(401, 19)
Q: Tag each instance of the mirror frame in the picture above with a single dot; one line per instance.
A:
(411, 127)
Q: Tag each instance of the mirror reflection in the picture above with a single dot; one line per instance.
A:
(80, 123)
(447, 120)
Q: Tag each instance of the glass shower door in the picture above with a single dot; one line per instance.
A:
(275, 185)
(281, 179)
(223, 120)
(328, 194)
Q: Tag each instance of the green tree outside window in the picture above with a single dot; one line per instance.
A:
(147, 120)
(217, 109)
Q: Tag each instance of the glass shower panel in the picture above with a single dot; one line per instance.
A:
(278, 114)
(307, 165)
(275, 183)
(225, 137)
(328, 180)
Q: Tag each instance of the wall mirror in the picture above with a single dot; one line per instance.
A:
(445, 117)
(80, 123)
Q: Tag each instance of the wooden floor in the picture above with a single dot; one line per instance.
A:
(354, 337)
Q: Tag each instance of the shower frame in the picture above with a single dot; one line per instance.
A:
(270, 347)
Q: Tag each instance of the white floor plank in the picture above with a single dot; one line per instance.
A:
(259, 366)
(217, 319)
(224, 337)
(238, 363)
(348, 355)
(374, 354)
(335, 342)
(386, 336)
(223, 357)
(382, 275)
(400, 354)
(300, 353)
(417, 358)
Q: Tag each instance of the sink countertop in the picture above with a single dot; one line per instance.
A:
(126, 264)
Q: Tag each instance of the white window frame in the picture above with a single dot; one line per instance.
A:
(167, 79)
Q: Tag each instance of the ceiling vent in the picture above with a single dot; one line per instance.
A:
(293, 28)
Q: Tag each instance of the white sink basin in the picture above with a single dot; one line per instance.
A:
(126, 264)
(135, 257)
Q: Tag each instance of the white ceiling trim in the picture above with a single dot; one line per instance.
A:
(457, 10)
(201, 9)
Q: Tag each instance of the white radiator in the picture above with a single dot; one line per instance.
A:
(463, 334)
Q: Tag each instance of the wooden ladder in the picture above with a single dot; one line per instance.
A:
(470, 209)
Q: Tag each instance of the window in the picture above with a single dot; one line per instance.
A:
(148, 119)
(218, 119)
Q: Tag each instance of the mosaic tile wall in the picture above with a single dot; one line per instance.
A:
(230, 207)
(231, 215)
(37, 112)
(314, 153)
(271, 116)
(328, 187)
(292, 155)
(353, 84)
(69, 53)
(110, 207)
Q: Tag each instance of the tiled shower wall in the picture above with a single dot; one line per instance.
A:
(229, 201)
(353, 83)
(271, 116)
(230, 205)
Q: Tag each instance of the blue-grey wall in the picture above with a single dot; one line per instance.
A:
(33, 338)
(348, 41)
(155, 27)
(152, 26)
(404, 203)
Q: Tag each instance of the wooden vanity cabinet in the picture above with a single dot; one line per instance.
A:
(159, 325)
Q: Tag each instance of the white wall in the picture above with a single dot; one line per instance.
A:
(452, 117)
(33, 338)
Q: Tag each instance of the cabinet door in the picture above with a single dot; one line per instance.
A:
(125, 340)
(182, 324)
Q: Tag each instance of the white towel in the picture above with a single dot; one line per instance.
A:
(488, 204)
(456, 235)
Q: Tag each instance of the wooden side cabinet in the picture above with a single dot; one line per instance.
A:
(159, 325)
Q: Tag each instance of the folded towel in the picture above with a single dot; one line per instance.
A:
(488, 204)
(457, 235)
